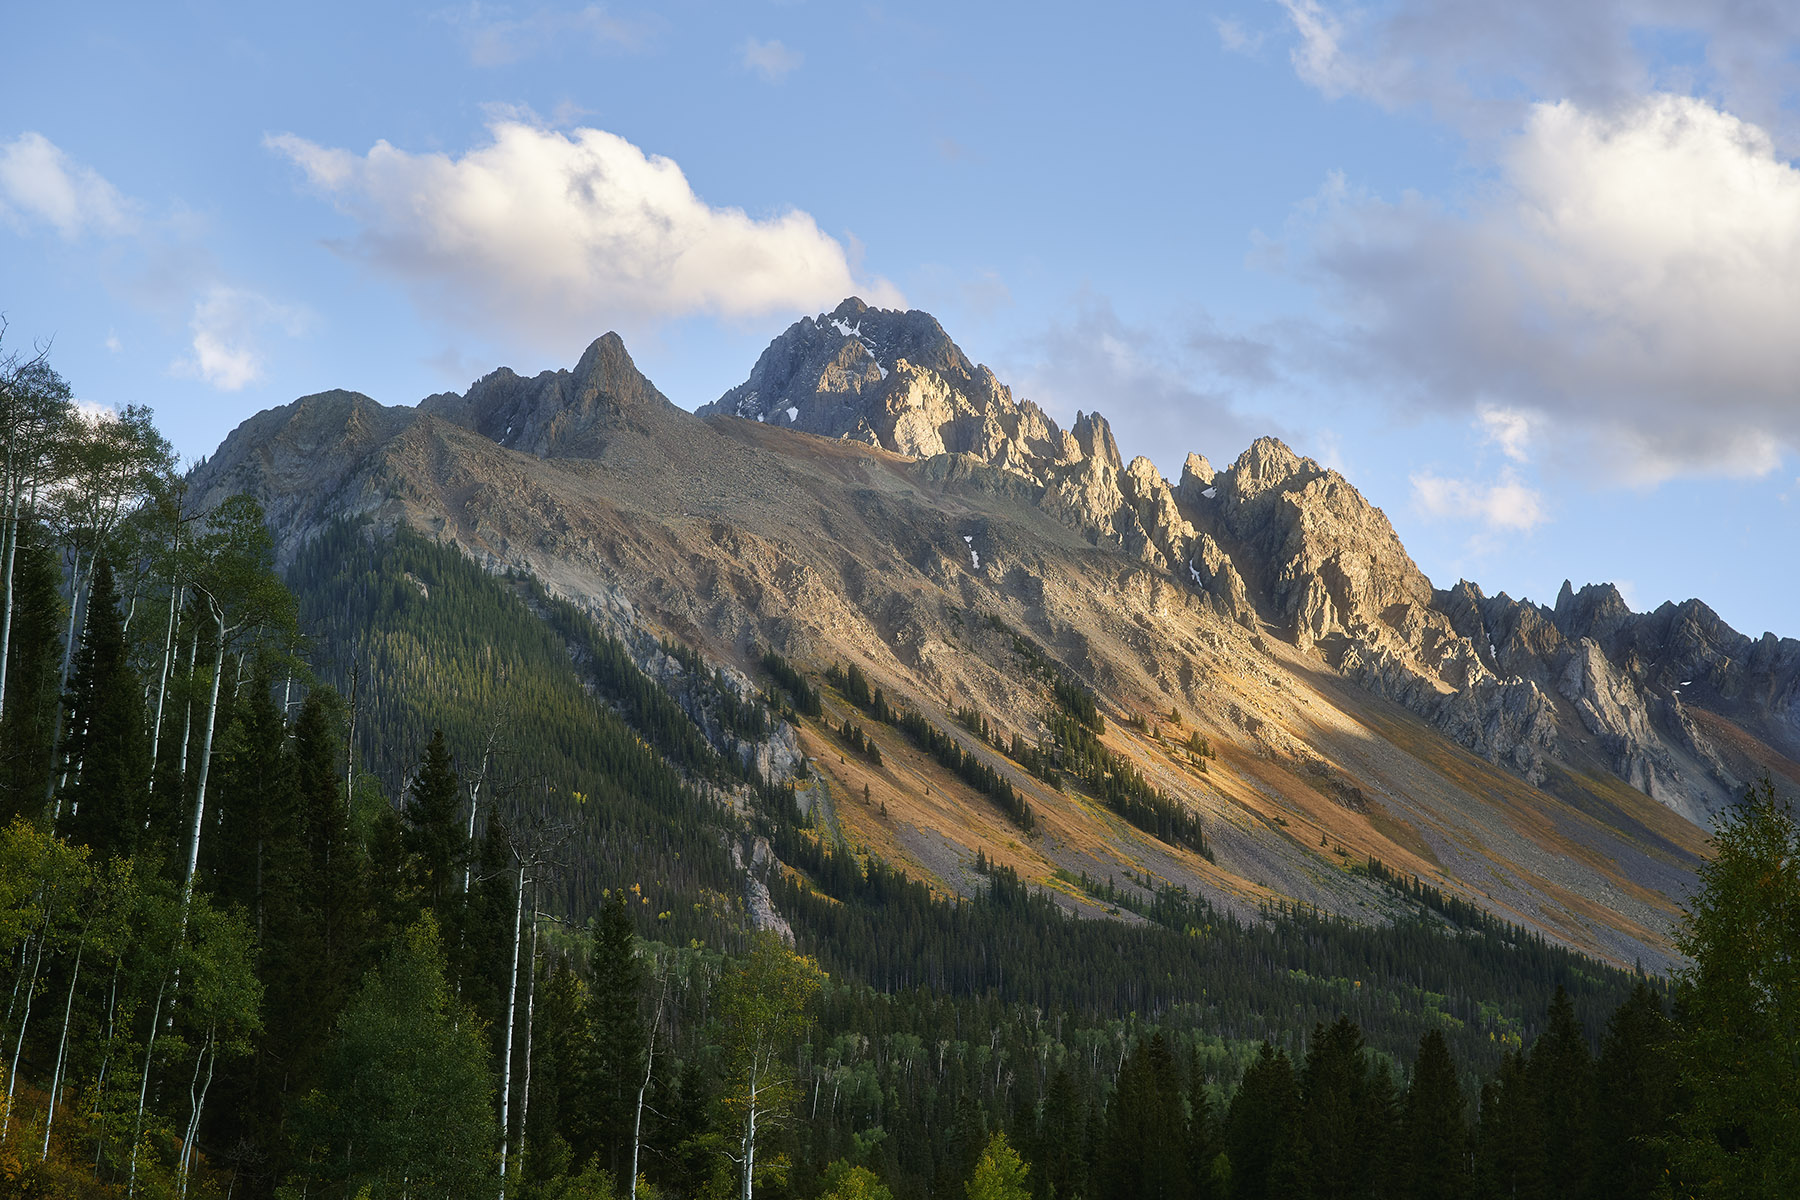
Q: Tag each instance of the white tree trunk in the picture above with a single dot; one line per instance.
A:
(187, 721)
(162, 683)
(77, 596)
(530, 1009)
(512, 999)
(137, 1128)
(62, 1049)
(12, 1076)
(637, 1126)
(6, 573)
(206, 741)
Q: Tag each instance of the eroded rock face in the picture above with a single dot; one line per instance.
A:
(1274, 538)
(889, 379)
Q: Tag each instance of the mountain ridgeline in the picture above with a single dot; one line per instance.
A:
(871, 498)
(866, 789)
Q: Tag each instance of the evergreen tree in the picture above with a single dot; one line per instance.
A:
(1341, 1118)
(1634, 1097)
(1435, 1131)
(1738, 1053)
(1262, 1131)
(1561, 1079)
(105, 752)
(1062, 1140)
(27, 750)
(1509, 1143)
(1140, 1150)
(406, 1106)
(616, 1041)
(435, 839)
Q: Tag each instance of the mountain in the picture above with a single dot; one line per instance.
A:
(1263, 653)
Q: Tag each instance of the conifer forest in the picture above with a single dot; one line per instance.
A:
(385, 875)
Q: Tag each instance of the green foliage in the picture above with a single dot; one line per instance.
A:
(406, 1104)
(1738, 1054)
(999, 1173)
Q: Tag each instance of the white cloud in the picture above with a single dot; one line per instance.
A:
(557, 235)
(1634, 275)
(1480, 64)
(1506, 504)
(770, 59)
(1508, 428)
(40, 183)
(227, 328)
(499, 36)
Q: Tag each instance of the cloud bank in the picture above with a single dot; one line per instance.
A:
(554, 235)
(1477, 63)
(1631, 273)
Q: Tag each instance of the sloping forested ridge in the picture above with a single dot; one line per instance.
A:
(503, 947)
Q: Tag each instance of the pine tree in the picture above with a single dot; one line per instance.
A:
(1738, 1053)
(1340, 1121)
(615, 1056)
(105, 752)
(435, 839)
(27, 750)
(1262, 1131)
(406, 1106)
(1140, 1149)
(1435, 1131)
(1634, 1098)
(1561, 1079)
(1509, 1142)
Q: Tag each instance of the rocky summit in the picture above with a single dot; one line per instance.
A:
(1264, 649)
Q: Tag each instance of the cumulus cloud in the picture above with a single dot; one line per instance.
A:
(1503, 505)
(1633, 273)
(227, 328)
(41, 184)
(499, 36)
(1479, 63)
(770, 59)
(556, 235)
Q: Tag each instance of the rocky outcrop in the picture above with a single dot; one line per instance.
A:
(555, 413)
(894, 380)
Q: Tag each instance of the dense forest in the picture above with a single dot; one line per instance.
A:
(388, 876)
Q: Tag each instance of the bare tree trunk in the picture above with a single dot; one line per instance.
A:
(637, 1126)
(162, 683)
(12, 1076)
(206, 742)
(530, 1008)
(350, 743)
(512, 997)
(187, 722)
(137, 1128)
(62, 1048)
(197, 1101)
(12, 547)
(77, 593)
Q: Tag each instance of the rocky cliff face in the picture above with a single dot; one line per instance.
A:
(1267, 602)
(1279, 538)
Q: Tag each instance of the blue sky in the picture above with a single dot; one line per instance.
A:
(1529, 274)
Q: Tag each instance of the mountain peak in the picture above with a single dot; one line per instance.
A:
(556, 412)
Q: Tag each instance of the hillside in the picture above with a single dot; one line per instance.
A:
(877, 502)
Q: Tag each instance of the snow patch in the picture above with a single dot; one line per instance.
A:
(974, 554)
(793, 414)
(844, 327)
(1687, 683)
(1195, 573)
(1211, 493)
(759, 417)
(871, 354)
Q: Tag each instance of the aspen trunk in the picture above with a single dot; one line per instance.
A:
(6, 572)
(512, 998)
(162, 683)
(206, 742)
(62, 1049)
